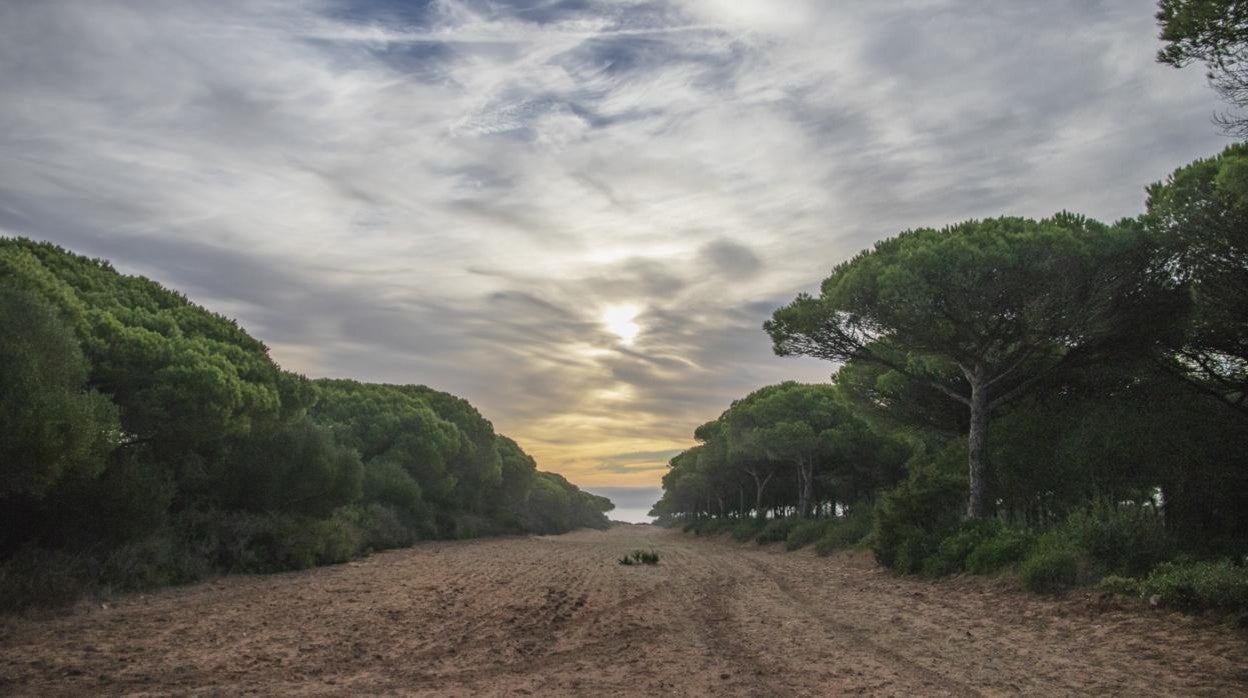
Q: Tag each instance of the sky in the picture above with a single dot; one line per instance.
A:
(577, 214)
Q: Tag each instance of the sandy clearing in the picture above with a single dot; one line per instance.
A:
(558, 616)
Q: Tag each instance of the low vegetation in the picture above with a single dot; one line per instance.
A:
(640, 557)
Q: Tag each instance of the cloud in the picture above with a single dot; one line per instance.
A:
(637, 461)
(452, 192)
(731, 258)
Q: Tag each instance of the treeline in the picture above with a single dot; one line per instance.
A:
(147, 441)
(1061, 397)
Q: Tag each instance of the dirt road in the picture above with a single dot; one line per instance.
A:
(558, 615)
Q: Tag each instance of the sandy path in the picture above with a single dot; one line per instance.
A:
(557, 615)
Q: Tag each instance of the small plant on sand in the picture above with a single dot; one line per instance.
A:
(640, 557)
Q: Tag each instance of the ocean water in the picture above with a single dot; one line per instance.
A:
(630, 515)
(632, 504)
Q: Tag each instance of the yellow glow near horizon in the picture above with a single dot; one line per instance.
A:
(620, 320)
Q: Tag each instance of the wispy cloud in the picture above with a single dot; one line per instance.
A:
(452, 192)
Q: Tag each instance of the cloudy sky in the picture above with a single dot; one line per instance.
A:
(575, 213)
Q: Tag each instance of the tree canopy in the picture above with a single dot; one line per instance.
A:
(132, 414)
(981, 312)
(1199, 218)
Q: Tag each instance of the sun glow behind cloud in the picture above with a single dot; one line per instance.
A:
(575, 215)
(621, 321)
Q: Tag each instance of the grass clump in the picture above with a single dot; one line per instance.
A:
(640, 557)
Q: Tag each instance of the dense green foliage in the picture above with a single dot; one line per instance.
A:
(1200, 219)
(1060, 399)
(148, 441)
(788, 449)
(983, 312)
(1199, 585)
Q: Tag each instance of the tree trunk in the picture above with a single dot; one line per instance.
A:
(977, 501)
(805, 474)
(759, 486)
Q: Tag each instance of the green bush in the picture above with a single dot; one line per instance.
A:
(913, 518)
(1125, 586)
(156, 561)
(35, 577)
(747, 530)
(806, 532)
(1005, 548)
(383, 528)
(776, 530)
(1050, 569)
(1119, 540)
(952, 552)
(711, 527)
(846, 531)
(263, 543)
(1196, 586)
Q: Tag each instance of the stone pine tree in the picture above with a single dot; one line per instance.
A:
(1198, 219)
(1215, 33)
(983, 312)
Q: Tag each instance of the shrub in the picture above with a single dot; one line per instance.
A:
(914, 517)
(1196, 586)
(1125, 586)
(640, 557)
(846, 531)
(155, 561)
(1005, 548)
(262, 543)
(1050, 569)
(36, 577)
(337, 540)
(1120, 540)
(806, 532)
(382, 528)
(747, 530)
(952, 552)
(711, 527)
(776, 530)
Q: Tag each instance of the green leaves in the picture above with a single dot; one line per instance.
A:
(1006, 303)
(1198, 220)
(124, 403)
(54, 425)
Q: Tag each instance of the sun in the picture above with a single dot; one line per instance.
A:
(620, 320)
